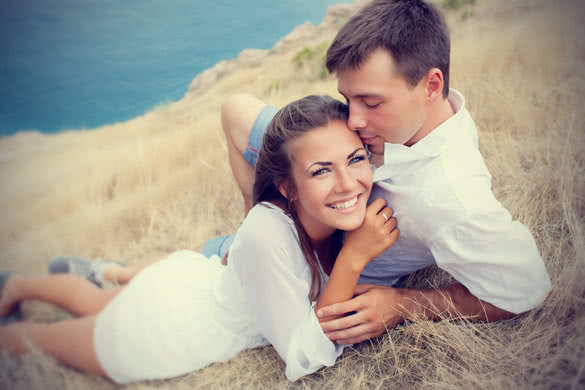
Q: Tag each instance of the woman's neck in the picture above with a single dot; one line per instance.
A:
(327, 252)
(320, 245)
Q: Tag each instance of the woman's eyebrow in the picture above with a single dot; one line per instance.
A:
(328, 163)
(323, 163)
(354, 152)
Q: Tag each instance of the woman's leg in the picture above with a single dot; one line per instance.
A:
(238, 114)
(71, 292)
(100, 271)
(69, 341)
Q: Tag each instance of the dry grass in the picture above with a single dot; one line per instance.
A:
(161, 182)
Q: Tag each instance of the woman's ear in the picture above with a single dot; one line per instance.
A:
(282, 188)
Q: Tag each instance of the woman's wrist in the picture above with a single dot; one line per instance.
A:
(352, 260)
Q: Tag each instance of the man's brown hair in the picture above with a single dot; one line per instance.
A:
(412, 31)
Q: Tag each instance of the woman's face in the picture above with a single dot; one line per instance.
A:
(333, 178)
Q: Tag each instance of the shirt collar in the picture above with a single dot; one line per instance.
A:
(399, 158)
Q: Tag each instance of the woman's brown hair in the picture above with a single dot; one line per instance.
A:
(274, 168)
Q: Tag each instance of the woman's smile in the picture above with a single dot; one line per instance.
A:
(346, 206)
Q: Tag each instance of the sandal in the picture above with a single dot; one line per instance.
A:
(90, 270)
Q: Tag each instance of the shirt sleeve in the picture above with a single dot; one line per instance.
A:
(495, 258)
(276, 280)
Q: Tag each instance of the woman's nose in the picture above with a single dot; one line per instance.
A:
(345, 181)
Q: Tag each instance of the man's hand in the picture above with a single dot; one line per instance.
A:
(375, 309)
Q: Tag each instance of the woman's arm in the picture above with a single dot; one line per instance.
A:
(376, 234)
(275, 280)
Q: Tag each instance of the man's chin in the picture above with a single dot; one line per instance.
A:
(376, 149)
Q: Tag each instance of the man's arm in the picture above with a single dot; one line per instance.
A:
(378, 308)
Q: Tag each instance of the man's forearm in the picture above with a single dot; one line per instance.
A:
(453, 301)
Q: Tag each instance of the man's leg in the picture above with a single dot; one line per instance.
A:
(238, 115)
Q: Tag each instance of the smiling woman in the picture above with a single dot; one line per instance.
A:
(305, 195)
(330, 193)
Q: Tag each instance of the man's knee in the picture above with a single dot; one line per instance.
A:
(238, 113)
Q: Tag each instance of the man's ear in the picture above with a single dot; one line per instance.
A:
(434, 84)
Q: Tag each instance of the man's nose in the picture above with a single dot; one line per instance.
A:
(356, 120)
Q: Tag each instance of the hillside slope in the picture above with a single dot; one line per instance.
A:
(162, 182)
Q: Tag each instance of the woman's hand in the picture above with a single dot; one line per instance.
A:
(376, 234)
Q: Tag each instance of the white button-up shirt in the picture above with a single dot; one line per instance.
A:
(263, 295)
(440, 190)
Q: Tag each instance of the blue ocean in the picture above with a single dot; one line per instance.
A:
(74, 64)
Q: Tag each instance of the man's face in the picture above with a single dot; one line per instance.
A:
(383, 107)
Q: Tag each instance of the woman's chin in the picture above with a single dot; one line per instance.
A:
(352, 223)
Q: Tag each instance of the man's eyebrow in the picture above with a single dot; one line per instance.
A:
(362, 95)
(368, 95)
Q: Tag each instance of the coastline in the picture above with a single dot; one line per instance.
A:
(246, 57)
(27, 142)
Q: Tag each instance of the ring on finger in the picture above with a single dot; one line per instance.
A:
(385, 217)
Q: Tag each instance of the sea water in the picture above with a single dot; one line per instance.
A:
(73, 64)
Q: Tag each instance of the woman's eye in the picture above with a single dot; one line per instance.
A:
(357, 159)
(320, 171)
(372, 105)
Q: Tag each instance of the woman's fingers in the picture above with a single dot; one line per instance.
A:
(391, 223)
(386, 214)
(376, 206)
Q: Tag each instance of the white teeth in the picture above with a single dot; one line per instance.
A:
(344, 205)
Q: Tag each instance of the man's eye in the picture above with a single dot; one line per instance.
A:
(372, 105)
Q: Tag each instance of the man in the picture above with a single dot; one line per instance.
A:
(392, 65)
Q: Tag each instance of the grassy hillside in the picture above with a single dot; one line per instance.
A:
(162, 182)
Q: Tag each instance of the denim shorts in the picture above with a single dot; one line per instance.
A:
(256, 133)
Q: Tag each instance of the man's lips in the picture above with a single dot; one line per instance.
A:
(367, 139)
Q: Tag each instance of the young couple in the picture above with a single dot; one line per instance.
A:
(291, 275)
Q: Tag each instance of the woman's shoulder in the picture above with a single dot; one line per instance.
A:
(267, 224)
(267, 235)
(268, 214)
